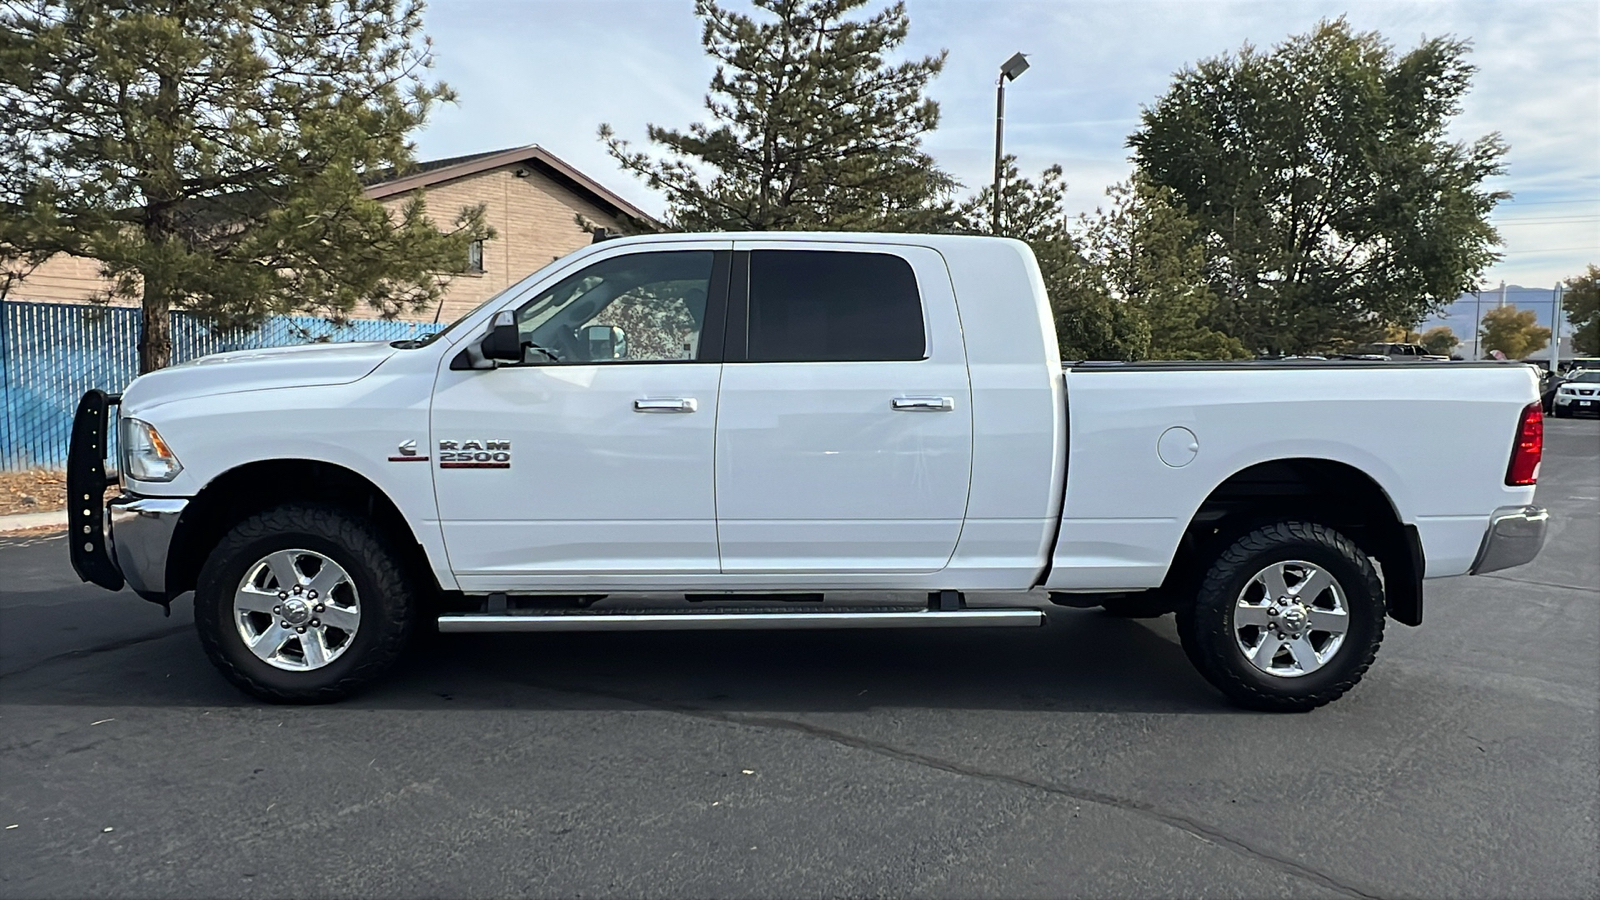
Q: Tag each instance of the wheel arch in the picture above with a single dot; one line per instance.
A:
(262, 484)
(1326, 491)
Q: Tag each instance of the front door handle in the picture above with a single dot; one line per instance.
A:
(923, 404)
(673, 405)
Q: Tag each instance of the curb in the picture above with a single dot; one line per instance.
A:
(25, 521)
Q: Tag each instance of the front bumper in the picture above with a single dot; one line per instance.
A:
(1515, 536)
(141, 535)
(127, 539)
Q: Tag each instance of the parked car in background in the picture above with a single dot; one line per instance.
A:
(1389, 350)
(1578, 393)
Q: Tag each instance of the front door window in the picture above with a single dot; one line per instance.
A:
(645, 307)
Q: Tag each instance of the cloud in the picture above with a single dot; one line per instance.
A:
(550, 71)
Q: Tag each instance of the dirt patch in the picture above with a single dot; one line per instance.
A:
(36, 490)
(43, 531)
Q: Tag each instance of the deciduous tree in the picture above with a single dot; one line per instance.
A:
(812, 126)
(211, 154)
(1582, 305)
(1440, 340)
(1514, 332)
(1330, 197)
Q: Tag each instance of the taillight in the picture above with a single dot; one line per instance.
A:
(1525, 453)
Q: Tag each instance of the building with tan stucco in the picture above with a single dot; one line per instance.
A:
(537, 204)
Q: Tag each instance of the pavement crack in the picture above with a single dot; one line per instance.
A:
(1190, 826)
(101, 648)
(1551, 584)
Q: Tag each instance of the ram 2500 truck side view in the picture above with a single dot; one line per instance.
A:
(744, 418)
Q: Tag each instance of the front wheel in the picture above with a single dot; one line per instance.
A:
(1288, 617)
(302, 604)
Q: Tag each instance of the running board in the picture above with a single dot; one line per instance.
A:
(707, 620)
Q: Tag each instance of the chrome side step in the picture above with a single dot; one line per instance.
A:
(706, 620)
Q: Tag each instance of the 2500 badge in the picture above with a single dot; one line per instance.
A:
(474, 454)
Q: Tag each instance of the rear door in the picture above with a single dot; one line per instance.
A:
(844, 423)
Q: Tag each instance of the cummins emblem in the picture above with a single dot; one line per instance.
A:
(408, 453)
(474, 454)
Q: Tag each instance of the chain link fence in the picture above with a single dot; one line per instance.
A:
(51, 353)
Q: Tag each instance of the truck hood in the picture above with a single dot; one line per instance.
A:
(256, 370)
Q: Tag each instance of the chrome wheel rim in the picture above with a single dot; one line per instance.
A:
(297, 610)
(1291, 619)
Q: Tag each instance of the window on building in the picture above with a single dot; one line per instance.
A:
(821, 305)
(475, 256)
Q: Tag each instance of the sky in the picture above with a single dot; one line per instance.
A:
(549, 72)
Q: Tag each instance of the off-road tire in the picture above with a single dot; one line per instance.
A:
(1205, 627)
(388, 602)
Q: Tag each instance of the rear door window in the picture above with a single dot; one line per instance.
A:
(832, 306)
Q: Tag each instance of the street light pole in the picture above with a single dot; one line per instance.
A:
(999, 146)
(1477, 319)
(1016, 65)
(1555, 329)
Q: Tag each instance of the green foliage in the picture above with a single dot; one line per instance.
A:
(1327, 193)
(1125, 283)
(811, 127)
(1582, 305)
(1089, 323)
(1514, 332)
(1154, 263)
(211, 154)
(1439, 340)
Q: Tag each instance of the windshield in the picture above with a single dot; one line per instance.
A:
(1586, 377)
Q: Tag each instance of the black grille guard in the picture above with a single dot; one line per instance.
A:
(86, 487)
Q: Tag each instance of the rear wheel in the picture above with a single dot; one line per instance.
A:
(303, 604)
(1288, 617)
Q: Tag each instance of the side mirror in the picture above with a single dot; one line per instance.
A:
(503, 341)
(606, 342)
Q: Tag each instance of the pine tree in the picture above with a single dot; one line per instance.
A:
(1128, 282)
(812, 126)
(212, 154)
(1090, 322)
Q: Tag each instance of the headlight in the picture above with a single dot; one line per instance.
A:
(145, 456)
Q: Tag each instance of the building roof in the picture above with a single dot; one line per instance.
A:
(436, 171)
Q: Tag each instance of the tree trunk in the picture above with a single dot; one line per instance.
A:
(155, 337)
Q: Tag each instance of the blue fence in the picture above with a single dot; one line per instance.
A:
(50, 353)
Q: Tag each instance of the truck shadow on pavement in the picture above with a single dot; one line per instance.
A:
(1082, 661)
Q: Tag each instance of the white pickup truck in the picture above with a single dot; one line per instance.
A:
(756, 423)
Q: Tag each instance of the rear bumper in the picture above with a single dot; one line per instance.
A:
(1514, 537)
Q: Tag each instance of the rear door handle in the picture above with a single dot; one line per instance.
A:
(923, 404)
(673, 405)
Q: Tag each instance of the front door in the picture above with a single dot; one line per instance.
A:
(591, 460)
(844, 436)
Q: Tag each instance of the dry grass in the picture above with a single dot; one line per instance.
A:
(36, 490)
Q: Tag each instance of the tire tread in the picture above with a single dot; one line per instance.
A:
(1203, 634)
(393, 612)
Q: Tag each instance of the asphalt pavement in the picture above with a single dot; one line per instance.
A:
(1081, 759)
